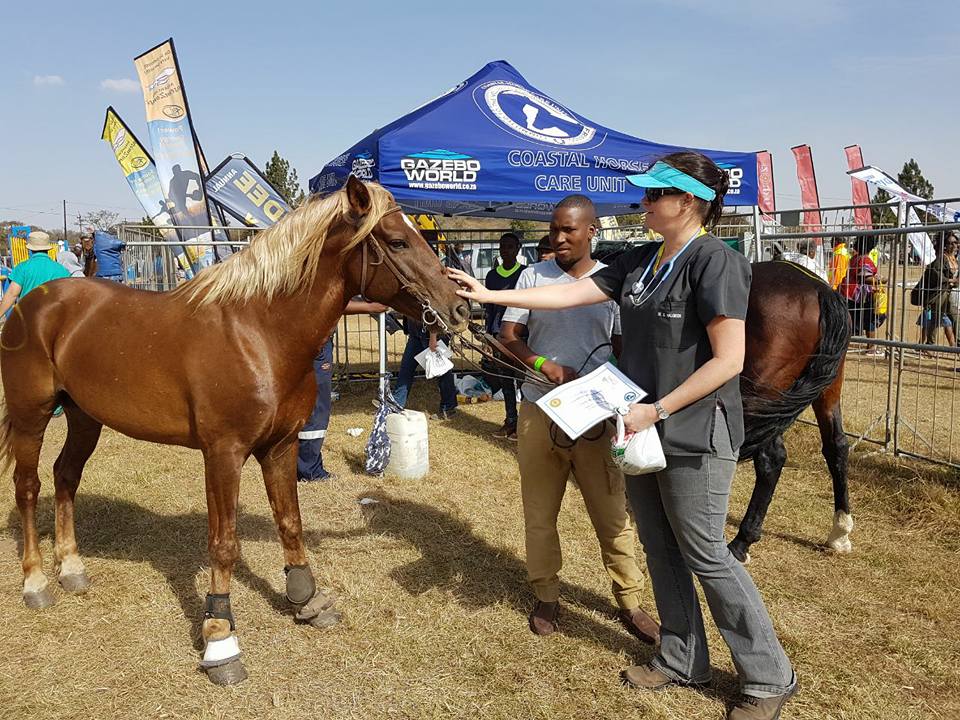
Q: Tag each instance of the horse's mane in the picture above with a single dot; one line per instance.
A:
(284, 259)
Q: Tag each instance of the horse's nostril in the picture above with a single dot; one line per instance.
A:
(461, 311)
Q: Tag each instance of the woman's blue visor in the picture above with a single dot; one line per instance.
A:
(662, 175)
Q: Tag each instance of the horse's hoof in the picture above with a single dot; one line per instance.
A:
(230, 673)
(326, 619)
(740, 553)
(39, 599)
(77, 583)
(841, 546)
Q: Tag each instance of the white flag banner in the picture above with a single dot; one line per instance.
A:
(920, 240)
(879, 179)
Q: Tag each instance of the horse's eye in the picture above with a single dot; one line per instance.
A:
(397, 244)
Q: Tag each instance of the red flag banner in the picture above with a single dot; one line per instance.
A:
(765, 193)
(861, 195)
(809, 199)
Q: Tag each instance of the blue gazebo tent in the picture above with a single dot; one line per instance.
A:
(496, 146)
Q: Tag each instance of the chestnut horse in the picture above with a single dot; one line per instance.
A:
(223, 364)
(798, 330)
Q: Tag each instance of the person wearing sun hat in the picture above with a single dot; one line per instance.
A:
(683, 306)
(38, 269)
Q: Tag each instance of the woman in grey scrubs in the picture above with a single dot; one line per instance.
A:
(683, 303)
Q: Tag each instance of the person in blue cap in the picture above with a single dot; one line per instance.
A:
(683, 303)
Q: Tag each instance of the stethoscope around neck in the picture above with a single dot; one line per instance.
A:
(641, 291)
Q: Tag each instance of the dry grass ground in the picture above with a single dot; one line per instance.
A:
(434, 597)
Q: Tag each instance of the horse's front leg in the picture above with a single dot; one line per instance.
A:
(221, 656)
(279, 465)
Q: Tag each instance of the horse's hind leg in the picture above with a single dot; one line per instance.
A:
(767, 464)
(279, 465)
(26, 439)
(836, 450)
(83, 433)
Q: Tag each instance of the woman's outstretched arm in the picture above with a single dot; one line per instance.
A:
(547, 297)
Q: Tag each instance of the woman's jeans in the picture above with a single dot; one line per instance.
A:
(680, 514)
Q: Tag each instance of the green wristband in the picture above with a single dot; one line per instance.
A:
(538, 363)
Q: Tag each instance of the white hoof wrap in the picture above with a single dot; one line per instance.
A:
(220, 652)
(839, 538)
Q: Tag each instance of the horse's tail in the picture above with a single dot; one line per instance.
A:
(6, 438)
(767, 415)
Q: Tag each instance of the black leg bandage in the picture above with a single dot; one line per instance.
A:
(218, 607)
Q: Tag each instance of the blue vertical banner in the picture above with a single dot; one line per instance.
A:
(240, 188)
(175, 150)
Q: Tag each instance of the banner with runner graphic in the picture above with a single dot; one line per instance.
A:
(174, 149)
(141, 173)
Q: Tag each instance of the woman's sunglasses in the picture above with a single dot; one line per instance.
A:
(654, 194)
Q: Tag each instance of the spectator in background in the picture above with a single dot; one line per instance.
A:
(38, 269)
(858, 288)
(465, 257)
(841, 263)
(107, 249)
(939, 283)
(503, 277)
(70, 259)
(545, 250)
(806, 257)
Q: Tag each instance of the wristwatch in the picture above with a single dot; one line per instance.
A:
(661, 413)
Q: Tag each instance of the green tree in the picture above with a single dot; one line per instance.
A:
(284, 179)
(528, 230)
(912, 180)
(103, 220)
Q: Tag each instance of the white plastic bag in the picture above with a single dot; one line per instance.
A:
(637, 453)
(436, 364)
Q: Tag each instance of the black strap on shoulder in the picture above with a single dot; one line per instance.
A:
(218, 607)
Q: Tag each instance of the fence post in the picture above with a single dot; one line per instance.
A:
(382, 337)
(902, 247)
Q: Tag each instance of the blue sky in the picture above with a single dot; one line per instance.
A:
(310, 78)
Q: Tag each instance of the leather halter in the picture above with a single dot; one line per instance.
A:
(430, 316)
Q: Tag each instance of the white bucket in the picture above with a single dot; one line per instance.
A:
(409, 446)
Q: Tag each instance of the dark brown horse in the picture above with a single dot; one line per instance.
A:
(798, 330)
(222, 364)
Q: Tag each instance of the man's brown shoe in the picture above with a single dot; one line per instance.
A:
(639, 624)
(754, 708)
(647, 677)
(543, 619)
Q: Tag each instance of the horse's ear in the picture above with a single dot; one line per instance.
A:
(358, 196)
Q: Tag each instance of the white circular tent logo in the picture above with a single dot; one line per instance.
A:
(531, 115)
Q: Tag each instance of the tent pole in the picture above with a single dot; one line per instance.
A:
(757, 227)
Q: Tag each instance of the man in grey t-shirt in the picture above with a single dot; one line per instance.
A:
(560, 345)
